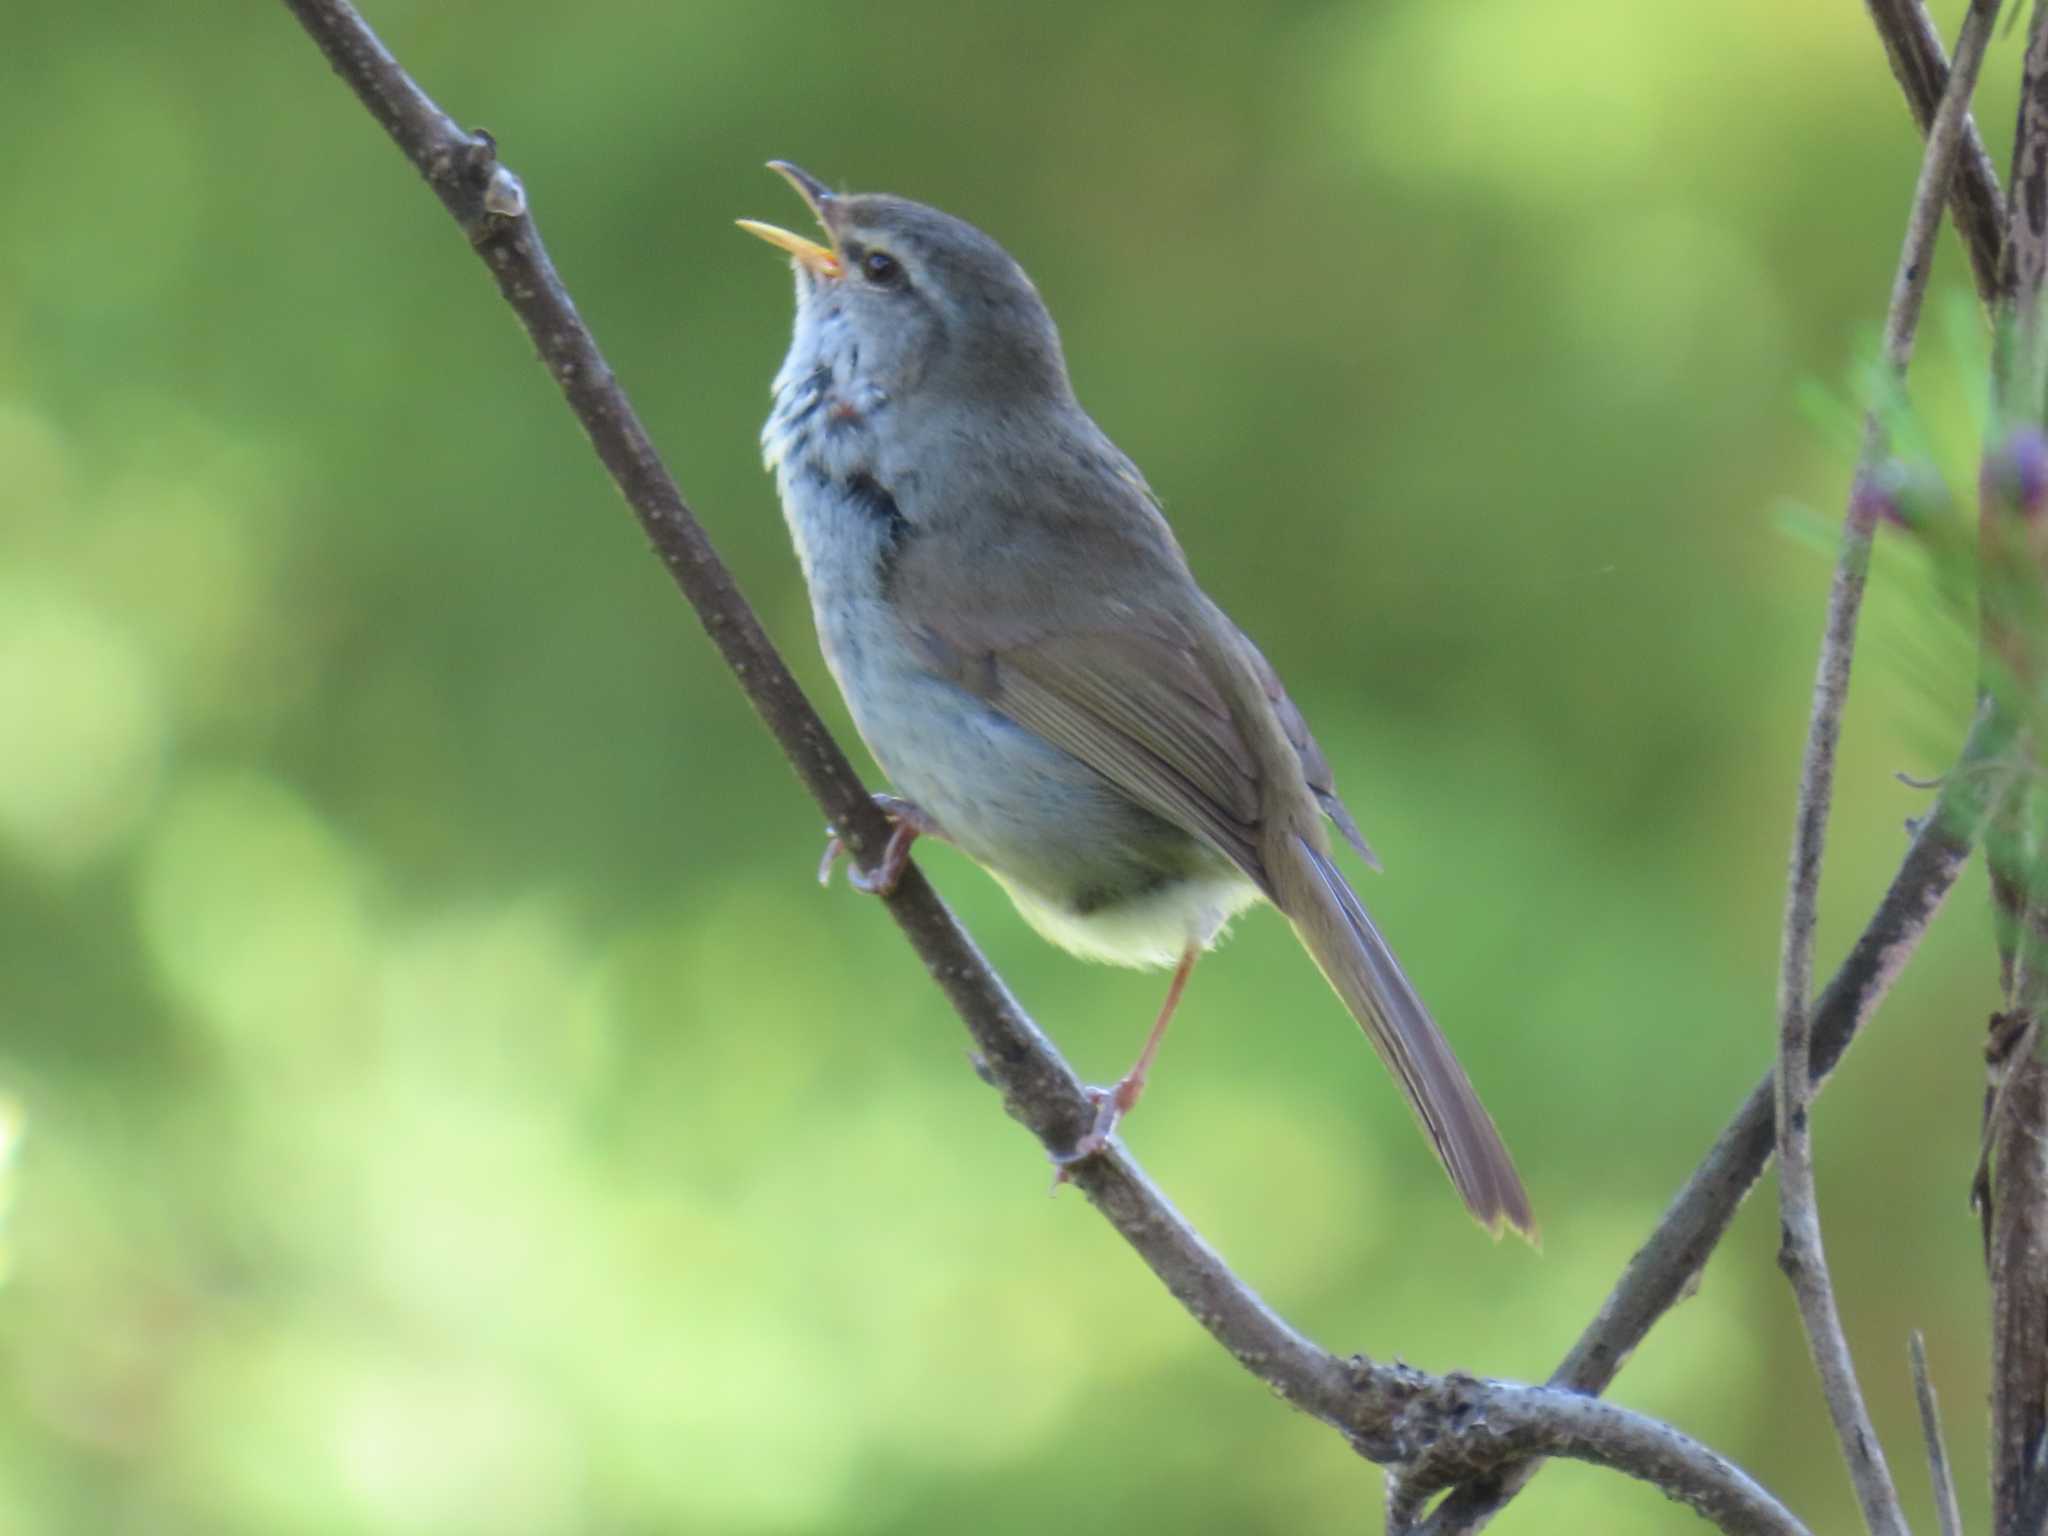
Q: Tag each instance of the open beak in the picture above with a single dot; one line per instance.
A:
(818, 260)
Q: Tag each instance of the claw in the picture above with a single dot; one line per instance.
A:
(908, 825)
(1111, 1105)
(1094, 1140)
(883, 880)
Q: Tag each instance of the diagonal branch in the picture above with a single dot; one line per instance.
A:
(1431, 1429)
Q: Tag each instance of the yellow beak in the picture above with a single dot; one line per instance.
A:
(819, 260)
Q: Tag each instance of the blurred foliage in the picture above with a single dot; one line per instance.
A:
(434, 1096)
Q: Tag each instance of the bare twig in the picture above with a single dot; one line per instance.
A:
(1389, 1413)
(1946, 1510)
(1802, 1252)
(1917, 59)
(1667, 1266)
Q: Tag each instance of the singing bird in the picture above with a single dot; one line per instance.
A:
(1024, 650)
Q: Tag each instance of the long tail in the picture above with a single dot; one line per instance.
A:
(1332, 922)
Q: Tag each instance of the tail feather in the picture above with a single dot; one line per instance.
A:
(1333, 923)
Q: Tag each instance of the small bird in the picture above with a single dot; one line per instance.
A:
(1026, 654)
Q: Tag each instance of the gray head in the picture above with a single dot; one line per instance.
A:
(911, 300)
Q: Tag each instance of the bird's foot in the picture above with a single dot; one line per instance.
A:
(1111, 1105)
(907, 824)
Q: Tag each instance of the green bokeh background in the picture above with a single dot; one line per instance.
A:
(436, 1097)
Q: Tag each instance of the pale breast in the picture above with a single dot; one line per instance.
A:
(1088, 867)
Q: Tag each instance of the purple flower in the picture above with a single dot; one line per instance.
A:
(2016, 473)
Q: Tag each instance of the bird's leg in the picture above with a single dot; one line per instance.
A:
(1112, 1104)
(907, 825)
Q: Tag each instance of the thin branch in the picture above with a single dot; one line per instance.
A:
(1803, 1253)
(1946, 1510)
(1921, 66)
(1666, 1268)
(1388, 1413)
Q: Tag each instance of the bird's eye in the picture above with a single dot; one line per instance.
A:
(881, 268)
